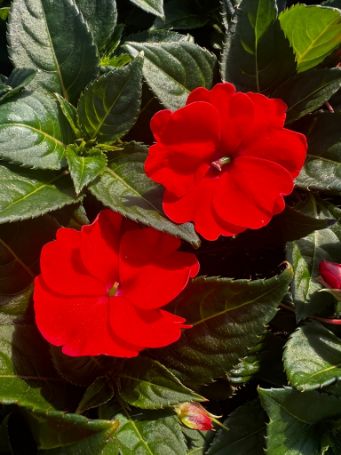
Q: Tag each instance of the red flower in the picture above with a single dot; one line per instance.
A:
(225, 160)
(101, 289)
(331, 274)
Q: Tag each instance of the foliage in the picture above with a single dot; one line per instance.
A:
(80, 81)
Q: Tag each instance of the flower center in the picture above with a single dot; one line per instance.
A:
(113, 290)
(219, 164)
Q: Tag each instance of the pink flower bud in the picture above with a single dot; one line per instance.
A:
(331, 274)
(195, 416)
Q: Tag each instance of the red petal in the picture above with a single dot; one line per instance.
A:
(269, 112)
(62, 269)
(197, 207)
(249, 191)
(219, 95)
(100, 246)
(147, 329)
(152, 271)
(331, 274)
(159, 122)
(285, 147)
(80, 324)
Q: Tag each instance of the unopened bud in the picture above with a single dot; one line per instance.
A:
(195, 416)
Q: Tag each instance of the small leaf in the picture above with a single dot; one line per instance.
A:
(125, 188)
(293, 417)
(183, 15)
(307, 92)
(70, 113)
(28, 194)
(150, 6)
(312, 357)
(84, 169)
(174, 69)
(228, 317)
(245, 435)
(256, 54)
(97, 394)
(306, 253)
(313, 31)
(109, 106)
(52, 37)
(4, 13)
(322, 169)
(33, 132)
(147, 384)
(18, 80)
(101, 16)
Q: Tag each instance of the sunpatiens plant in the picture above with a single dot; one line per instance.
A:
(170, 227)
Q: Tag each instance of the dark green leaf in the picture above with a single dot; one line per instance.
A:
(80, 371)
(306, 253)
(147, 384)
(293, 417)
(98, 393)
(19, 78)
(19, 258)
(150, 6)
(322, 169)
(101, 16)
(228, 317)
(245, 434)
(312, 357)
(125, 188)
(28, 194)
(33, 132)
(150, 434)
(52, 37)
(307, 92)
(182, 15)
(109, 106)
(174, 69)
(84, 169)
(313, 31)
(256, 54)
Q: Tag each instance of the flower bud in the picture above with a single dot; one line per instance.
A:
(195, 416)
(331, 274)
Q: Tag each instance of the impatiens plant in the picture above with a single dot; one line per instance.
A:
(170, 232)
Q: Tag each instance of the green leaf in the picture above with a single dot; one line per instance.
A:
(70, 114)
(125, 188)
(109, 106)
(33, 132)
(97, 394)
(28, 194)
(228, 317)
(84, 169)
(150, 434)
(101, 16)
(151, 6)
(256, 54)
(4, 13)
(99, 442)
(147, 384)
(293, 417)
(322, 169)
(52, 37)
(183, 15)
(174, 69)
(307, 92)
(312, 357)
(19, 78)
(313, 31)
(245, 435)
(19, 259)
(306, 254)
